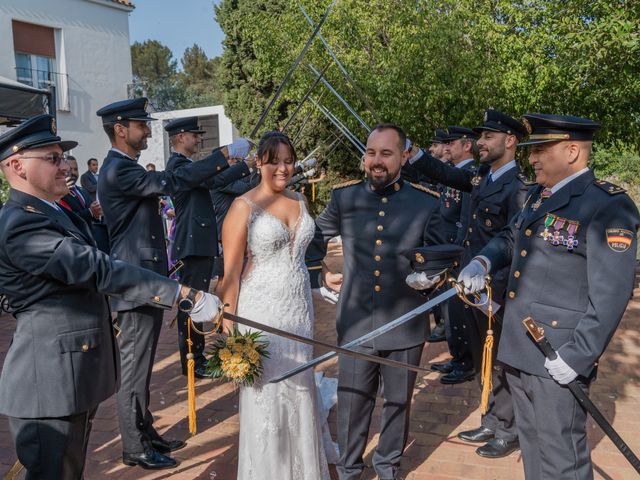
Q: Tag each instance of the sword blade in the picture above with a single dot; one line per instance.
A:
(311, 341)
(371, 335)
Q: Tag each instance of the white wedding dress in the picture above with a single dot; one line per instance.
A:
(280, 427)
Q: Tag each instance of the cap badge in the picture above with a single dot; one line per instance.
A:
(527, 125)
(419, 258)
(54, 127)
(15, 148)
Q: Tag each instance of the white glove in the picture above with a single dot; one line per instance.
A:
(330, 296)
(205, 309)
(560, 371)
(420, 280)
(473, 277)
(240, 148)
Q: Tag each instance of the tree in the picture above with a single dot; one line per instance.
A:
(154, 70)
(199, 79)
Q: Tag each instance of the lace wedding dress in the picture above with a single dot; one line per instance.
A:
(280, 430)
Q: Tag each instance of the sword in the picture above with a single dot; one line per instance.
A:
(304, 98)
(537, 333)
(310, 341)
(290, 72)
(371, 335)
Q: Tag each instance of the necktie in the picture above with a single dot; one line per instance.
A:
(78, 195)
(546, 193)
(489, 179)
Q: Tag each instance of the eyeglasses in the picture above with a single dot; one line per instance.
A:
(54, 158)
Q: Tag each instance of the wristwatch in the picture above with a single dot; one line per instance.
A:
(186, 304)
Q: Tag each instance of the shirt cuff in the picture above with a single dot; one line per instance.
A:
(416, 157)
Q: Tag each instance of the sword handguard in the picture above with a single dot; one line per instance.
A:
(537, 333)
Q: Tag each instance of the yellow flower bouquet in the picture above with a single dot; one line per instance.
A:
(238, 357)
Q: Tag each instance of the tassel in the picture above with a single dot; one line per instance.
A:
(487, 358)
(191, 382)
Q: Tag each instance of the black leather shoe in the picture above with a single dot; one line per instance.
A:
(458, 376)
(442, 367)
(498, 448)
(150, 460)
(437, 334)
(477, 435)
(165, 446)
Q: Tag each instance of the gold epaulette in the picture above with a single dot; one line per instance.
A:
(424, 189)
(346, 184)
(30, 209)
(608, 187)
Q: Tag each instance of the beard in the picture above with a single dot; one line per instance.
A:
(139, 145)
(381, 181)
(491, 156)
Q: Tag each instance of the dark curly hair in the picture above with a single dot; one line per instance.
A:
(269, 143)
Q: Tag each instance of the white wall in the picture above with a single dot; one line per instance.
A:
(157, 151)
(92, 48)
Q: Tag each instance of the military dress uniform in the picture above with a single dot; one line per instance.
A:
(196, 236)
(376, 227)
(129, 198)
(62, 361)
(571, 252)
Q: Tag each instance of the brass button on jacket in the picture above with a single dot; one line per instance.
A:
(377, 288)
(523, 253)
(512, 294)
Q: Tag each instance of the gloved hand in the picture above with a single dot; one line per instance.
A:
(560, 371)
(206, 308)
(240, 148)
(473, 276)
(420, 280)
(330, 296)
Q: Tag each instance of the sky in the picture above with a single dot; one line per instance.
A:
(178, 24)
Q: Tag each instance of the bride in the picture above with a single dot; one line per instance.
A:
(264, 238)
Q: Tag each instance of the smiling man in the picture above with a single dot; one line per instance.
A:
(379, 220)
(571, 251)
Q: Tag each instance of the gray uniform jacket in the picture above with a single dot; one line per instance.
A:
(196, 233)
(89, 183)
(376, 227)
(129, 198)
(62, 359)
(577, 294)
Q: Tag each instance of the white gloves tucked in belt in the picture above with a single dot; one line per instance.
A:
(420, 280)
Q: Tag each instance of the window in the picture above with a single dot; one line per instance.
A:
(34, 70)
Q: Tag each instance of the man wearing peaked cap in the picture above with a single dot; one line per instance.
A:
(129, 196)
(498, 191)
(196, 234)
(62, 360)
(571, 257)
(437, 145)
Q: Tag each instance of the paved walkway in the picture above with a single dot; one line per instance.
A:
(439, 413)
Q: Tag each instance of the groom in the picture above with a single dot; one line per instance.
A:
(378, 219)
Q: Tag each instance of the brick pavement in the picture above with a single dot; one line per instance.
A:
(439, 413)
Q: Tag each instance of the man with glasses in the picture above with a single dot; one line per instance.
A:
(62, 359)
(195, 240)
(129, 197)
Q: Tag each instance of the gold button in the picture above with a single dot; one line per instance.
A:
(380, 228)
(487, 222)
(85, 347)
(512, 294)
(470, 229)
(384, 200)
(554, 323)
(516, 274)
(486, 210)
(528, 232)
(381, 213)
(156, 298)
(378, 242)
(202, 224)
(377, 288)
(155, 259)
(475, 216)
(467, 243)
(218, 168)
(377, 258)
(523, 253)
(396, 187)
(153, 237)
(376, 273)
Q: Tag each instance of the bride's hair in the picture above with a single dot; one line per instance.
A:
(269, 143)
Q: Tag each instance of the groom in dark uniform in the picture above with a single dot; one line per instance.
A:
(379, 220)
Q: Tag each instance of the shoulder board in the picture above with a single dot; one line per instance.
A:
(346, 184)
(424, 189)
(524, 179)
(610, 188)
(30, 209)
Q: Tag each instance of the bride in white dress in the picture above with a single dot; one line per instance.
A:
(264, 238)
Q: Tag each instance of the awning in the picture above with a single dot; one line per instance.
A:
(19, 101)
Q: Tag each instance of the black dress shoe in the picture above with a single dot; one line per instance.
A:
(442, 367)
(150, 460)
(437, 334)
(166, 446)
(477, 435)
(458, 376)
(498, 448)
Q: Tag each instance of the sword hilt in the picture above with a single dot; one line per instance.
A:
(537, 333)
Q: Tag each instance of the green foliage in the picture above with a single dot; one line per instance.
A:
(4, 189)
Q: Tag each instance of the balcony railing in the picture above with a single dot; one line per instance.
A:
(45, 79)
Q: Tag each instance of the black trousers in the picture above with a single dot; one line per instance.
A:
(196, 273)
(552, 428)
(456, 326)
(358, 383)
(500, 416)
(52, 448)
(138, 340)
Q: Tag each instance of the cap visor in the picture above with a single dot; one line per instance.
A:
(537, 142)
(142, 119)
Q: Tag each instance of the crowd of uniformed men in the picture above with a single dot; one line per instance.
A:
(560, 248)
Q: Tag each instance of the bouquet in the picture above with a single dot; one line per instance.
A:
(238, 357)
